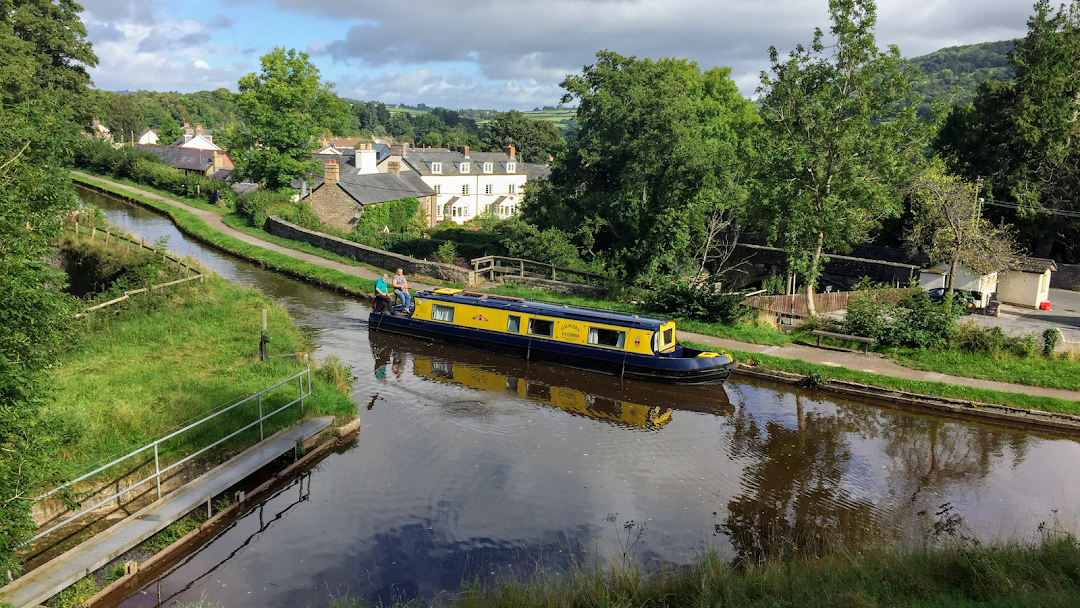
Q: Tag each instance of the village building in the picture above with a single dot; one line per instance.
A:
(148, 137)
(211, 163)
(966, 280)
(341, 194)
(1027, 282)
(197, 139)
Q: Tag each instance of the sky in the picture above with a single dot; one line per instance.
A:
(490, 54)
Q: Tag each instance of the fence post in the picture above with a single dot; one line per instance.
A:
(261, 436)
(157, 470)
(302, 389)
(522, 267)
(76, 226)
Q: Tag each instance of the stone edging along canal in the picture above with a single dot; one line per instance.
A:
(1051, 421)
(124, 586)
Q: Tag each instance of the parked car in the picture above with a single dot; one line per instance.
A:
(967, 298)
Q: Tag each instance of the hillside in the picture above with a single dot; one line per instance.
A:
(963, 66)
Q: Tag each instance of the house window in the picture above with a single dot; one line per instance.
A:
(511, 167)
(465, 167)
(489, 167)
(465, 189)
(541, 327)
(487, 189)
(442, 313)
(513, 324)
(512, 188)
(607, 337)
(436, 167)
(437, 188)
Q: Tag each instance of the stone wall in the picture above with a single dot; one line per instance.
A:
(565, 287)
(334, 207)
(1067, 276)
(369, 255)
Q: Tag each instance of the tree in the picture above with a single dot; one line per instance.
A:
(949, 227)
(533, 140)
(169, 131)
(1024, 136)
(834, 146)
(43, 59)
(399, 127)
(658, 149)
(282, 110)
(123, 119)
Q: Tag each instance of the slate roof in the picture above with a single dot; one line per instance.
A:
(374, 188)
(190, 159)
(420, 159)
(534, 171)
(1033, 265)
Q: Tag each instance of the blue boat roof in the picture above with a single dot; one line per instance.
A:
(610, 317)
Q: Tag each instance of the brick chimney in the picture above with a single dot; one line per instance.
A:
(198, 129)
(509, 150)
(331, 172)
(464, 150)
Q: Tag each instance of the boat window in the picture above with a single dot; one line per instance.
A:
(442, 313)
(669, 337)
(513, 325)
(607, 337)
(541, 327)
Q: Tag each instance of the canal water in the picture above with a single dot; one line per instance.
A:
(472, 467)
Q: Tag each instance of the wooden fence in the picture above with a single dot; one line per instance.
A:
(795, 305)
(494, 266)
(108, 236)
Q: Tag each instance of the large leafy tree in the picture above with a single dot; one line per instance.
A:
(834, 146)
(1023, 136)
(43, 58)
(533, 140)
(282, 111)
(657, 152)
(948, 225)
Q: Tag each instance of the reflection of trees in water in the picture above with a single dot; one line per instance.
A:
(794, 485)
(795, 502)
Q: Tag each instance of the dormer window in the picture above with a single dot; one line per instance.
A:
(511, 167)
(465, 167)
(436, 167)
(489, 167)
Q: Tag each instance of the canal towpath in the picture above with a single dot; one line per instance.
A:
(850, 360)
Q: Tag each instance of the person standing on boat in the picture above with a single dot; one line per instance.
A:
(382, 297)
(401, 289)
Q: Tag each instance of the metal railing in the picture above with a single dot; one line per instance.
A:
(304, 378)
(493, 265)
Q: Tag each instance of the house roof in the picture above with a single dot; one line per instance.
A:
(197, 141)
(190, 159)
(374, 188)
(534, 171)
(1033, 265)
(344, 142)
(420, 159)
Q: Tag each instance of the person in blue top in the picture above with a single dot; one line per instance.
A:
(382, 295)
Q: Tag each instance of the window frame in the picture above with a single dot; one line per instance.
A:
(436, 308)
(464, 189)
(436, 168)
(489, 167)
(534, 320)
(593, 337)
(511, 190)
(515, 321)
(464, 167)
(488, 188)
(511, 167)
(437, 188)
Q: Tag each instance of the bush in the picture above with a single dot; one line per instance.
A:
(698, 300)
(993, 341)
(260, 204)
(1051, 337)
(914, 322)
(447, 252)
(396, 216)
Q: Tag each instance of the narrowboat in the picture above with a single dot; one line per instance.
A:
(629, 346)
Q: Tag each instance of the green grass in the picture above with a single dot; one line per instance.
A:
(1034, 371)
(959, 575)
(195, 227)
(743, 332)
(146, 366)
(198, 203)
(923, 387)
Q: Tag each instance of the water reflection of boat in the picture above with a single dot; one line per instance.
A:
(610, 342)
(629, 403)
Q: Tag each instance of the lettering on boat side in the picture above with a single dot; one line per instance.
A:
(480, 318)
(570, 331)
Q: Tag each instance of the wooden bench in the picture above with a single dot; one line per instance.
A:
(828, 334)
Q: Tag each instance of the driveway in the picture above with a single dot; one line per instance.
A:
(1065, 315)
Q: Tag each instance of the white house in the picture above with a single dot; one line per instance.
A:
(466, 183)
(1027, 282)
(966, 280)
(197, 139)
(148, 137)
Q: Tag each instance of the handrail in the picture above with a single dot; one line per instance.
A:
(158, 471)
(491, 268)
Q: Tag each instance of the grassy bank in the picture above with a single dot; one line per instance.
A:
(1042, 574)
(823, 373)
(1036, 371)
(144, 367)
(194, 226)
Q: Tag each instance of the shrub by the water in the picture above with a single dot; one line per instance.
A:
(689, 299)
(914, 322)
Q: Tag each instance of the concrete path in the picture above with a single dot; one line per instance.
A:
(874, 363)
(214, 221)
(61, 572)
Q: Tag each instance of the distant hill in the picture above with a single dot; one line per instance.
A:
(963, 66)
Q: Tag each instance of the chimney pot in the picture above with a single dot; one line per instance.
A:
(464, 150)
(510, 151)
